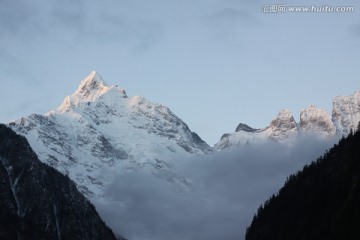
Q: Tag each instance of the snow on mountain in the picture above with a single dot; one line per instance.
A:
(282, 127)
(240, 137)
(37, 202)
(99, 132)
(317, 121)
(313, 120)
(346, 113)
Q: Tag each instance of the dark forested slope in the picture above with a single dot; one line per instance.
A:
(320, 202)
(37, 202)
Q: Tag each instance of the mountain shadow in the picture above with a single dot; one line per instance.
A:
(38, 202)
(320, 202)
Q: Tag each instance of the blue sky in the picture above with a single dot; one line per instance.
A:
(214, 63)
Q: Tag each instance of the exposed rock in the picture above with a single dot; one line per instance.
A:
(38, 202)
(283, 126)
(313, 121)
(346, 113)
(316, 121)
(246, 128)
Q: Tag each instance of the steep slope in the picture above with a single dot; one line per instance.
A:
(99, 132)
(37, 202)
(313, 121)
(320, 202)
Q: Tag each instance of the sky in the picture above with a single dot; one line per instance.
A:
(214, 63)
(225, 191)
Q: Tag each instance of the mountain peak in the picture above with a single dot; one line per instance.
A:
(283, 117)
(92, 82)
(283, 126)
(316, 120)
(346, 113)
(90, 90)
(285, 113)
(245, 127)
(98, 128)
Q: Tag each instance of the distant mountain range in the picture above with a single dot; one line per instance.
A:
(316, 121)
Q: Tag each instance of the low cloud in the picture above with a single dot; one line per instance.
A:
(224, 192)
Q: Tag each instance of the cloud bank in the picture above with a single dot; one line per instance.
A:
(224, 192)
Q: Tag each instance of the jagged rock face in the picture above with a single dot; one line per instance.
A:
(316, 121)
(346, 113)
(283, 126)
(313, 121)
(245, 128)
(37, 202)
(100, 129)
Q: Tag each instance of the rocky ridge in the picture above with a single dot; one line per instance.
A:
(313, 121)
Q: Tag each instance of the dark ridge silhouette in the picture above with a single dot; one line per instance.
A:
(320, 202)
(38, 202)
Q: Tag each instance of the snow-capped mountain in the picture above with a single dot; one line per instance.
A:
(346, 113)
(99, 132)
(313, 120)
